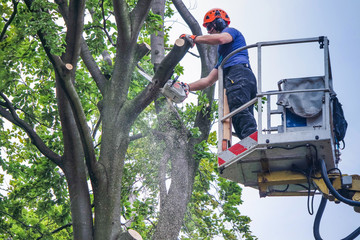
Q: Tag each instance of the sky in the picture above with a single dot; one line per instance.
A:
(277, 218)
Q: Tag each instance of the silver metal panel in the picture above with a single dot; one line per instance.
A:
(297, 136)
(277, 157)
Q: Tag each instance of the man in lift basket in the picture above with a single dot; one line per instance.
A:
(239, 80)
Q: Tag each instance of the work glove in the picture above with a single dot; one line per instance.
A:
(189, 38)
(186, 88)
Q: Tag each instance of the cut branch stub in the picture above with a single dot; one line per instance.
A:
(168, 64)
(141, 50)
(69, 66)
(130, 235)
(179, 42)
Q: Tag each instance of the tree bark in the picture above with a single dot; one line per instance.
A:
(74, 169)
(157, 40)
(183, 163)
(116, 126)
(173, 206)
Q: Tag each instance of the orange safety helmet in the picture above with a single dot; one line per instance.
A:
(215, 13)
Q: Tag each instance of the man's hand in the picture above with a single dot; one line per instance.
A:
(189, 38)
(186, 88)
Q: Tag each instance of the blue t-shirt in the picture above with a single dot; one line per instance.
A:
(225, 49)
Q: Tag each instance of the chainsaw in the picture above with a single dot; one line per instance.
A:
(172, 89)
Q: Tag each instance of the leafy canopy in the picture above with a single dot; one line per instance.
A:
(34, 202)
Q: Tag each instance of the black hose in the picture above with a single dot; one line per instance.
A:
(332, 189)
(353, 235)
(318, 216)
(337, 195)
(316, 228)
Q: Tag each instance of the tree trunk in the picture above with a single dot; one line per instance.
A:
(107, 194)
(74, 169)
(174, 206)
(183, 163)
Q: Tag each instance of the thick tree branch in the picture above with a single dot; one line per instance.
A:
(185, 165)
(157, 39)
(107, 58)
(7, 24)
(85, 53)
(129, 24)
(163, 73)
(141, 50)
(162, 175)
(92, 66)
(123, 22)
(174, 207)
(74, 15)
(126, 52)
(96, 127)
(10, 114)
(63, 9)
(81, 122)
(138, 16)
(135, 137)
(74, 31)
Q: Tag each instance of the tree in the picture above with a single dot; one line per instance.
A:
(55, 86)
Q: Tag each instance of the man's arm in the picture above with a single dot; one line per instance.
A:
(205, 82)
(214, 39)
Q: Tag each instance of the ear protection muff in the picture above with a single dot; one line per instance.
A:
(220, 24)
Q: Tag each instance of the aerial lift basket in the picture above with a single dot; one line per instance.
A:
(274, 158)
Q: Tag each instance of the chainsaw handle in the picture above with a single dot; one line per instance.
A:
(174, 81)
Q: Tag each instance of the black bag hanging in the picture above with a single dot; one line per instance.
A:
(340, 124)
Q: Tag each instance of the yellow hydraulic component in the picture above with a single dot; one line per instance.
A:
(280, 178)
(355, 183)
(356, 197)
(350, 183)
(319, 182)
